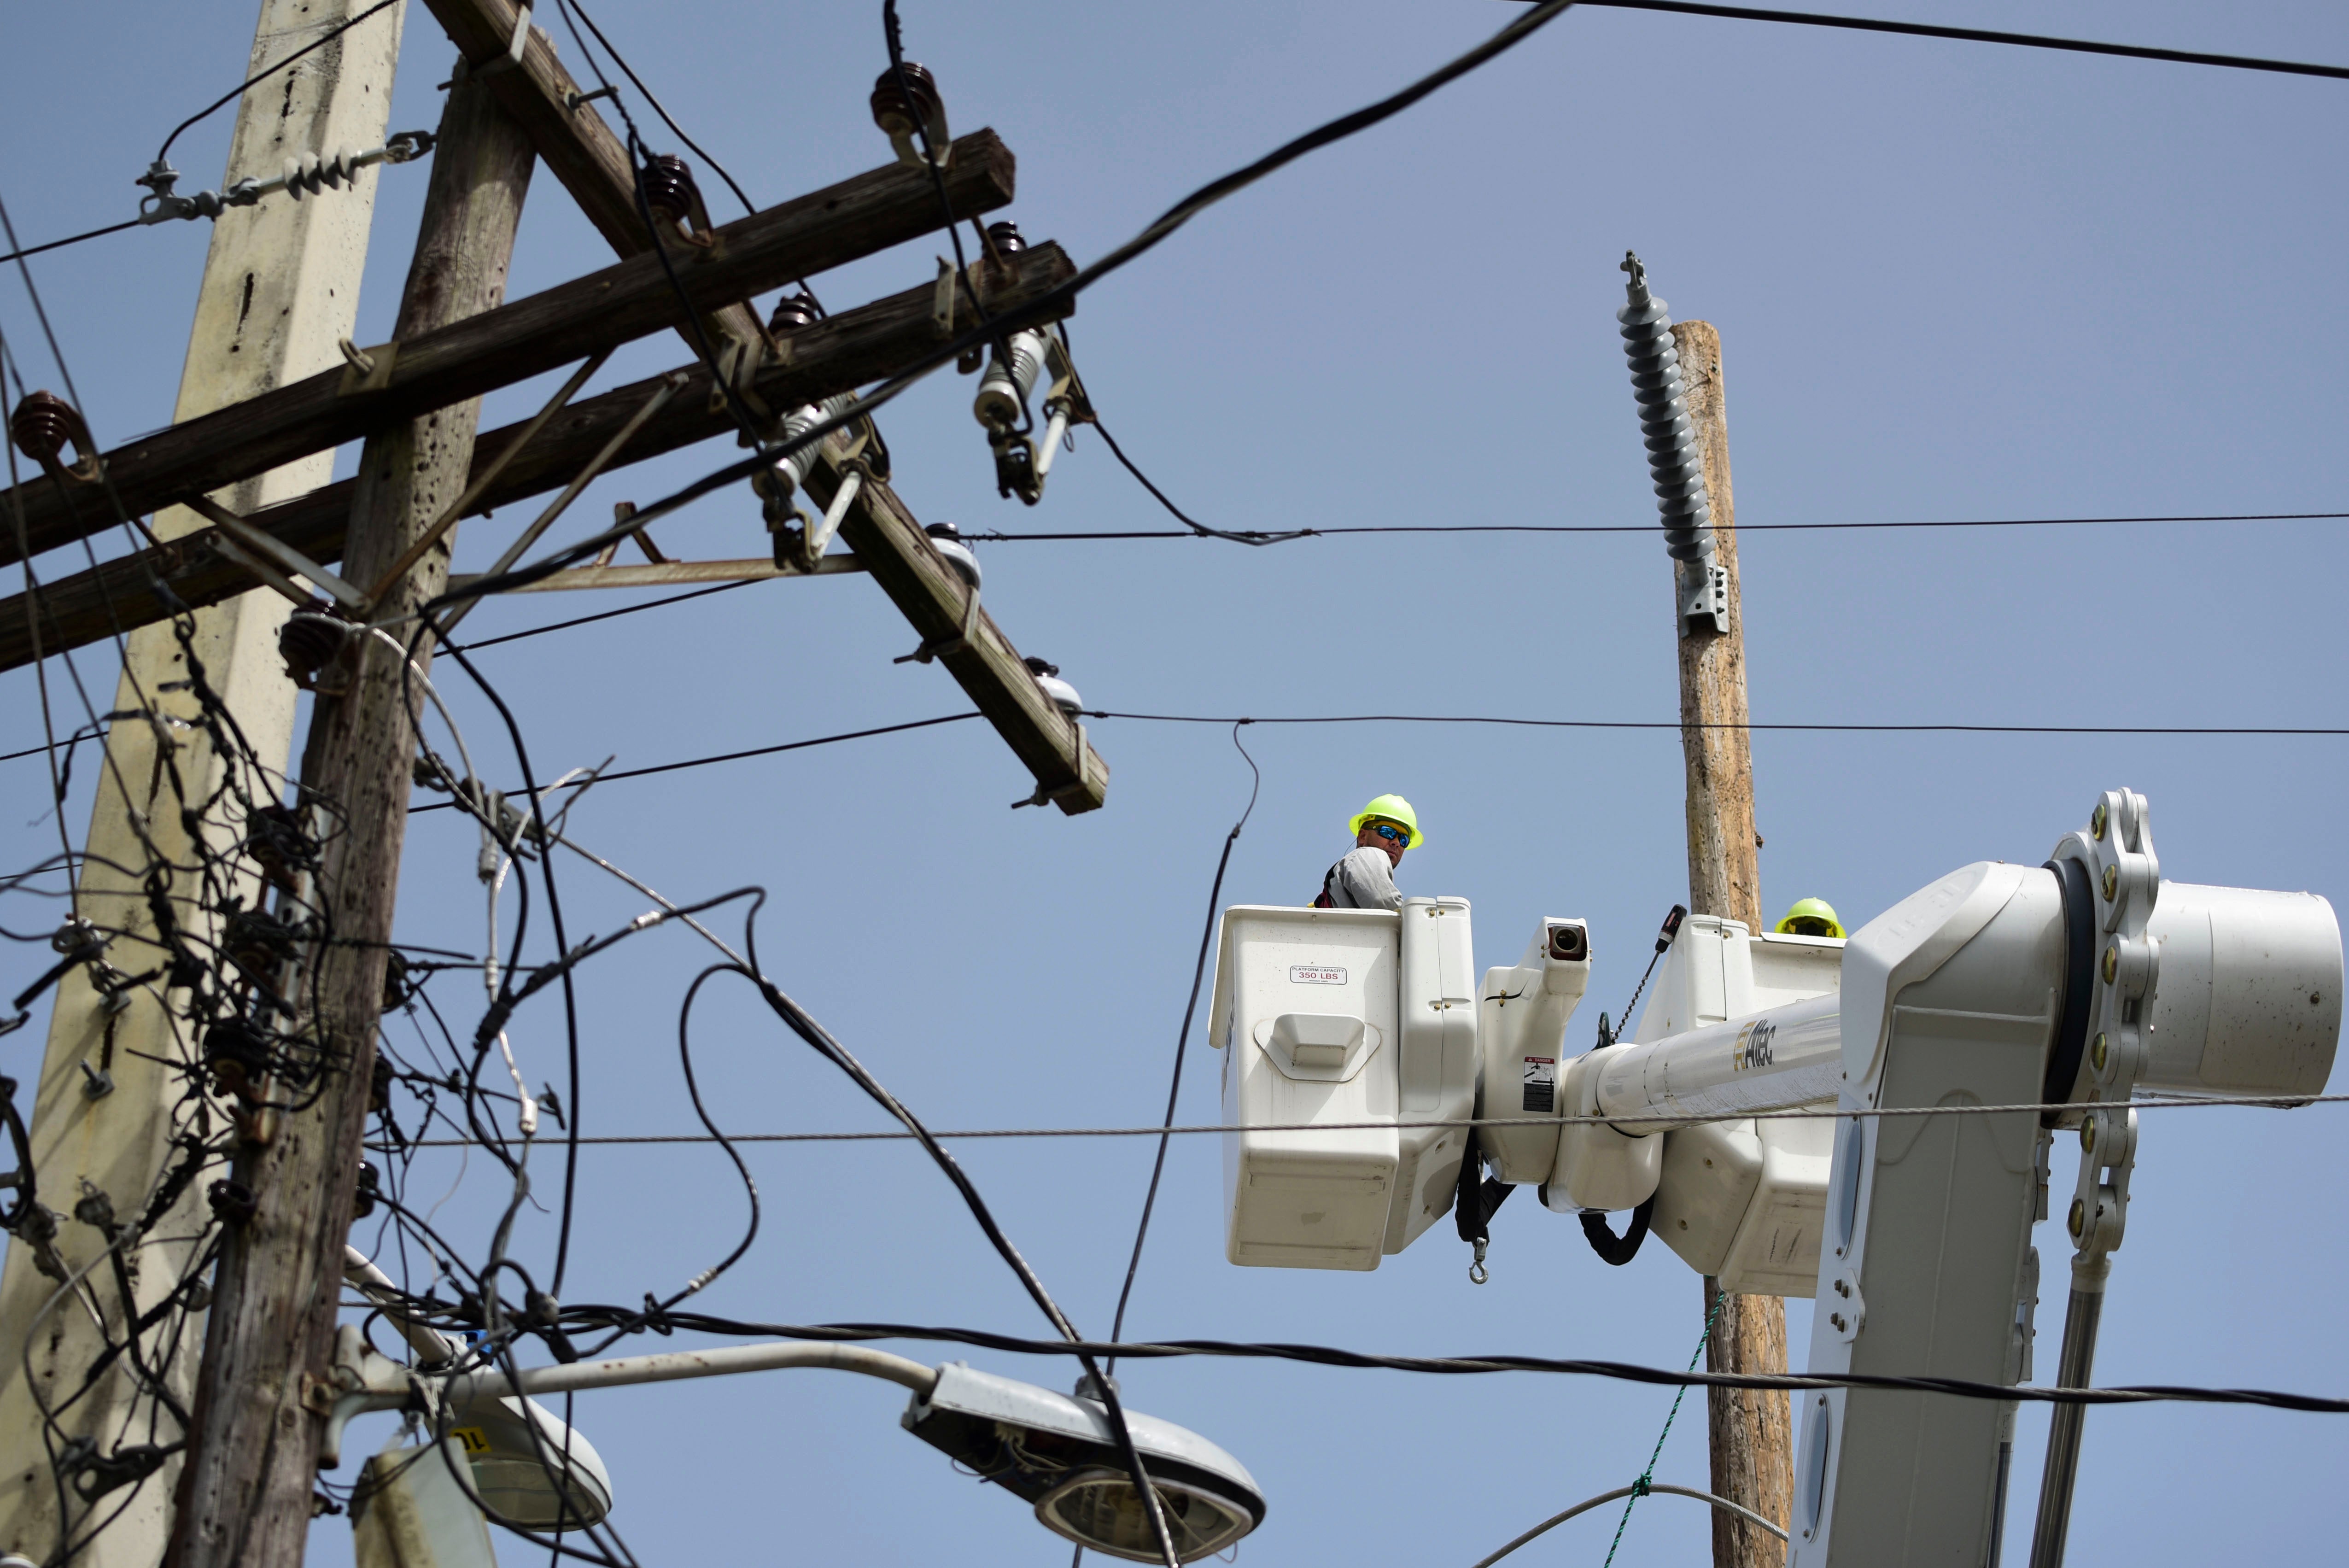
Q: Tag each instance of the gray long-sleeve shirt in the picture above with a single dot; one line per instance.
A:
(1365, 879)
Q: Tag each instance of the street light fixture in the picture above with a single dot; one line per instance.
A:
(1058, 1452)
(1062, 1455)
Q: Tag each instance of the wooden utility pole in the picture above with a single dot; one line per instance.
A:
(1751, 1430)
(245, 1495)
(280, 287)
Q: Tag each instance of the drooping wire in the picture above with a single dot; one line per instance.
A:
(229, 98)
(668, 120)
(1183, 1039)
(893, 38)
(639, 156)
(1198, 530)
(1103, 1388)
(579, 9)
(1640, 1487)
(1042, 307)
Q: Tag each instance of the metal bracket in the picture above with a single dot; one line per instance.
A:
(516, 49)
(239, 541)
(933, 646)
(1846, 1313)
(365, 370)
(739, 363)
(1049, 794)
(1704, 596)
(361, 1380)
(2124, 879)
(942, 301)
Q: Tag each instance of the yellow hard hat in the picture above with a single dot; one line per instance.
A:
(1393, 808)
(1804, 909)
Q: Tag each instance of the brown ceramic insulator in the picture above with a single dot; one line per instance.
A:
(891, 110)
(669, 190)
(792, 312)
(308, 643)
(42, 424)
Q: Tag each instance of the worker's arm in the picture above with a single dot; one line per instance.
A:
(1366, 881)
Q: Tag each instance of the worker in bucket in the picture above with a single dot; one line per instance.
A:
(1810, 918)
(1365, 879)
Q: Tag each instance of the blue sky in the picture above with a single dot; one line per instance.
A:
(1952, 281)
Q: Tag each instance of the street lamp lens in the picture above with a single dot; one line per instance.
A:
(1101, 1510)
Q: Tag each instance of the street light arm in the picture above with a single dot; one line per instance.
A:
(434, 1347)
(365, 1380)
(670, 1365)
(361, 1274)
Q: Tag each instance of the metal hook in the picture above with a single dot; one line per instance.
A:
(1476, 1273)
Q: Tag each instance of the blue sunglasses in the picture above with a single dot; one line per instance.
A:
(1392, 834)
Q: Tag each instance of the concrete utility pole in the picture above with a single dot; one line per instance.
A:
(245, 1499)
(1751, 1430)
(280, 287)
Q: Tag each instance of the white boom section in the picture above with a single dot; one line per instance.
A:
(1965, 995)
(1774, 1061)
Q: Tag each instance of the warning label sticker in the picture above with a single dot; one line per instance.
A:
(1541, 1086)
(1316, 974)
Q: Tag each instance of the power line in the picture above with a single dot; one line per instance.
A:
(590, 620)
(2170, 729)
(1656, 1124)
(1044, 306)
(737, 756)
(1261, 536)
(513, 637)
(243, 87)
(1183, 1039)
(1982, 35)
(574, 7)
(1477, 1366)
(1677, 725)
(2174, 729)
(60, 244)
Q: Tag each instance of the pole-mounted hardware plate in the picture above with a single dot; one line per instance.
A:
(1704, 596)
(368, 371)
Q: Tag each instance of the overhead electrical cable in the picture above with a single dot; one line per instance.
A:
(74, 240)
(575, 9)
(753, 751)
(251, 82)
(1982, 35)
(1485, 1366)
(2148, 729)
(1259, 536)
(1677, 725)
(1654, 1122)
(1045, 305)
(1183, 1038)
(602, 615)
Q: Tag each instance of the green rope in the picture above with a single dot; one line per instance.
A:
(1640, 1487)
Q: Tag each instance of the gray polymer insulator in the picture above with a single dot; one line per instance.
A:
(1672, 457)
